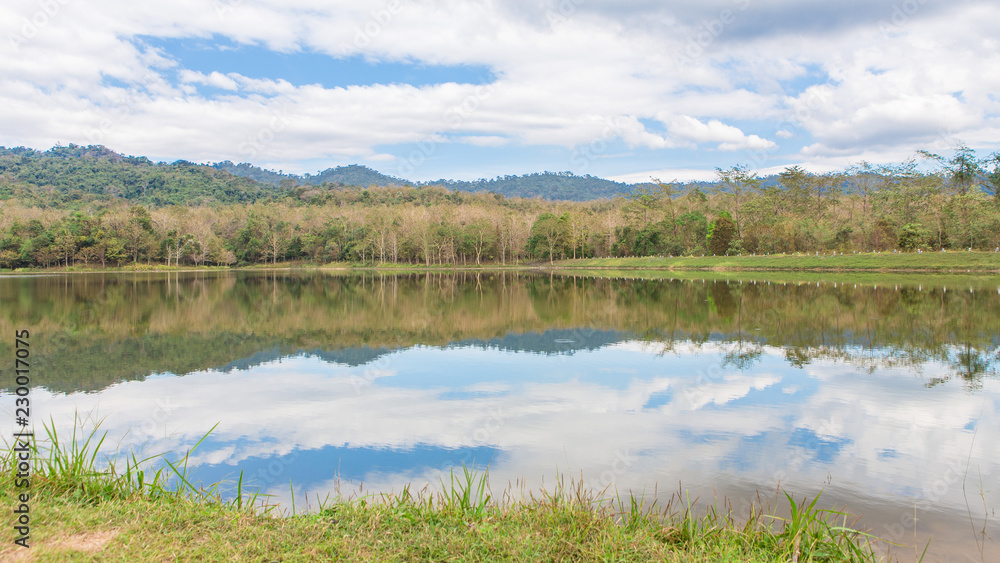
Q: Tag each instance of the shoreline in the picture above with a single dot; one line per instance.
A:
(952, 263)
(922, 263)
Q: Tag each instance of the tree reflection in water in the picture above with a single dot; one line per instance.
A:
(97, 329)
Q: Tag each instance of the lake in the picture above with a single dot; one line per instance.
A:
(880, 392)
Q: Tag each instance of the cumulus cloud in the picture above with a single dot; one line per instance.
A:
(817, 80)
(216, 79)
(729, 138)
(484, 140)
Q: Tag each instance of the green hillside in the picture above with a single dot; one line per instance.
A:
(63, 176)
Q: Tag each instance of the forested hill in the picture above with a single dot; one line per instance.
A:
(352, 175)
(63, 176)
(74, 174)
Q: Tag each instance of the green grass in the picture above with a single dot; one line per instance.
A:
(980, 281)
(957, 261)
(86, 510)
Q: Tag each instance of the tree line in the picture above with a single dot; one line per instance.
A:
(861, 209)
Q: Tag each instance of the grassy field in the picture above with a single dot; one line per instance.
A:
(82, 513)
(938, 262)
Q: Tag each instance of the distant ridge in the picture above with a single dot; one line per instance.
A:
(350, 175)
(546, 185)
(354, 175)
(64, 174)
(247, 170)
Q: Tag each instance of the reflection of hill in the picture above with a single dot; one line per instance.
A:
(548, 342)
(551, 341)
(347, 356)
(89, 331)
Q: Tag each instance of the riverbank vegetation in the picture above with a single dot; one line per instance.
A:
(82, 508)
(863, 209)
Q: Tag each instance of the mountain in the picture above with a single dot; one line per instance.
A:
(354, 175)
(68, 175)
(351, 175)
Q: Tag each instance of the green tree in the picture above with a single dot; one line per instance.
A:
(481, 237)
(548, 237)
(723, 233)
(655, 239)
(249, 244)
(8, 258)
(65, 244)
(692, 230)
(112, 249)
(884, 235)
(798, 187)
(910, 236)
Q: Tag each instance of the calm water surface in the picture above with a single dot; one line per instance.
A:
(880, 393)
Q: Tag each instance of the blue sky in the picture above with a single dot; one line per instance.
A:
(429, 89)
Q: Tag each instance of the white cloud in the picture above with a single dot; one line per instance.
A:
(729, 138)
(559, 80)
(484, 140)
(216, 79)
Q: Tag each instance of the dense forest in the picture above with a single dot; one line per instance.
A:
(90, 206)
(73, 175)
(352, 175)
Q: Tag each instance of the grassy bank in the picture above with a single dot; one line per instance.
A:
(975, 280)
(937, 262)
(401, 268)
(926, 262)
(80, 512)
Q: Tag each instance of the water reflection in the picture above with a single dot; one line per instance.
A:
(884, 398)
